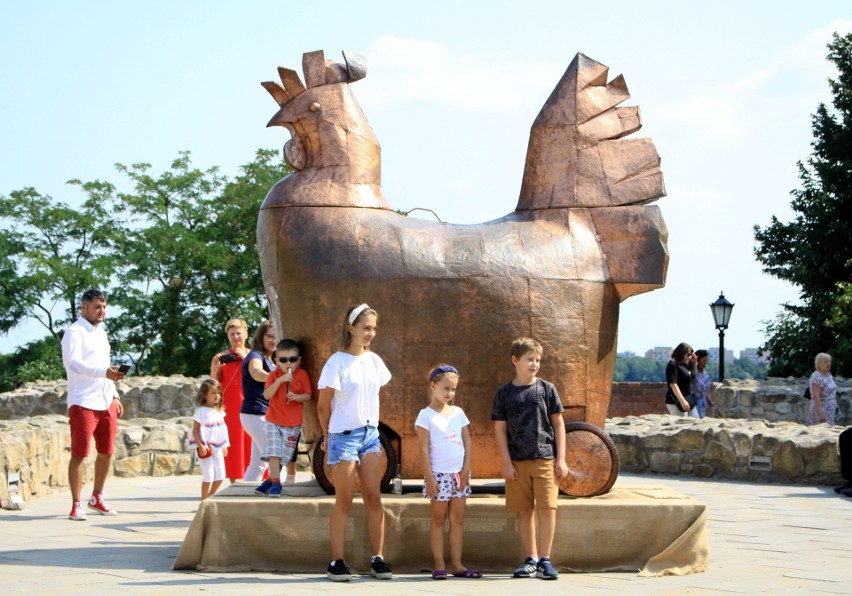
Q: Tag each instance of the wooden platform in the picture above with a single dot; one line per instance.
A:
(653, 530)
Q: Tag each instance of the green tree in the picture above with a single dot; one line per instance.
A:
(813, 251)
(190, 260)
(177, 254)
(644, 370)
(49, 254)
(639, 369)
(39, 360)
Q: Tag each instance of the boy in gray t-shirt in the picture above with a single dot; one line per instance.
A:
(530, 434)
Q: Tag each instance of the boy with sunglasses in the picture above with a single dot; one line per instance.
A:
(286, 388)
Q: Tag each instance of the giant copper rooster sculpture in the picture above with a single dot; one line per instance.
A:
(580, 240)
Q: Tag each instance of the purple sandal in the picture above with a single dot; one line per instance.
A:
(439, 574)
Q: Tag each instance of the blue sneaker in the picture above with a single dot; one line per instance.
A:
(263, 488)
(544, 569)
(527, 568)
(274, 491)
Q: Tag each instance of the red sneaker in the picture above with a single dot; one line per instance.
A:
(97, 503)
(77, 512)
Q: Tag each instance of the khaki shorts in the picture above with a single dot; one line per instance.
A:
(535, 487)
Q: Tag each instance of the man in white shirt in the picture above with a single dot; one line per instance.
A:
(93, 403)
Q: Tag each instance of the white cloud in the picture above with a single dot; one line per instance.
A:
(417, 71)
(733, 110)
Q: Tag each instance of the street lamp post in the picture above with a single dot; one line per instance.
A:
(721, 315)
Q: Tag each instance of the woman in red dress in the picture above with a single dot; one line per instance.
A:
(226, 367)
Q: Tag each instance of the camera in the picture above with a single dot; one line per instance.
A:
(124, 368)
(226, 358)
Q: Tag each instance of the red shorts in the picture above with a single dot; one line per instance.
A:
(86, 423)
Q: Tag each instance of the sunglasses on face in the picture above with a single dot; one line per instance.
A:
(288, 358)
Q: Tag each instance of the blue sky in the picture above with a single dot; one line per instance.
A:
(726, 90)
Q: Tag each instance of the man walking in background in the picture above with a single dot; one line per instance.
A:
(93, 403)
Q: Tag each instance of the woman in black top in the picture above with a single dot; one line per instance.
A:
(257, 365)
(680, 375)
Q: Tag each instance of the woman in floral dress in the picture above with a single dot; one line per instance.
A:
(823, 392)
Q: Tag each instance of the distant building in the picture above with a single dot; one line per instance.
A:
(713, 356)
(627, 354)
(659, 354)
(755, 355)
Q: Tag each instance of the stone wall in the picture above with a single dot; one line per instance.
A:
(755, 450)
(39, 448)
(143, 397)
(153, 434)
(776, 400)
(163, 398)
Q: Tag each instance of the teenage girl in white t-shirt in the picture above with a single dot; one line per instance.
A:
(348, 410)
(442, 429)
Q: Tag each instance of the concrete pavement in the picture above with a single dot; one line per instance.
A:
(779, 539)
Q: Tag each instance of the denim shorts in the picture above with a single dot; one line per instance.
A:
(352, 445)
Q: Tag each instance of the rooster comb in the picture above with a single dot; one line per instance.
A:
(318, 71)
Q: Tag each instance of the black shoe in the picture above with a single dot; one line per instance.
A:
(846, 492)
(380, 569)
(338, 571)
(842, 487)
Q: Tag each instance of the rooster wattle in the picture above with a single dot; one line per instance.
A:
(581, 240)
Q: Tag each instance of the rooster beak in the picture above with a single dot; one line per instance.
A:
(281, 118)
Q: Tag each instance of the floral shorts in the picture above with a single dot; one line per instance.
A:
(448, 487)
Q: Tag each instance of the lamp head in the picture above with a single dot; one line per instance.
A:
(721, 311)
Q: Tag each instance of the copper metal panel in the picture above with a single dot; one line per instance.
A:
(313, 65)
(580, 241)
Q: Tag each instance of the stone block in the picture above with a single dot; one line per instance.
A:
(664, 462)
(133, 436)
(168, 392)
(137, 465)
(184, 464)
(629, 455)
(165, 464)
(787, 465)
(703, 471)
(742, 443)
(693, 458)
(722, 458)
(745, 398)
(14, 453)
(774, 397)
(687, 439)
(151, 402)
(763, 444)
(725, 438)
(820, 459)
(658, 440)
(163, 438)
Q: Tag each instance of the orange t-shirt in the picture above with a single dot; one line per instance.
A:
(280, 412)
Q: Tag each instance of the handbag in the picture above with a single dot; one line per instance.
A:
(690, 399)
(198, 453)
(807, 394)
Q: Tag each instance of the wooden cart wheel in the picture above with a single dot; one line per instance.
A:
(322, 471)
(592, 461)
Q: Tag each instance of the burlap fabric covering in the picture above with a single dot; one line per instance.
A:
(655, 531)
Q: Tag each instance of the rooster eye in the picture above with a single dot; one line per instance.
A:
(315, 106)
